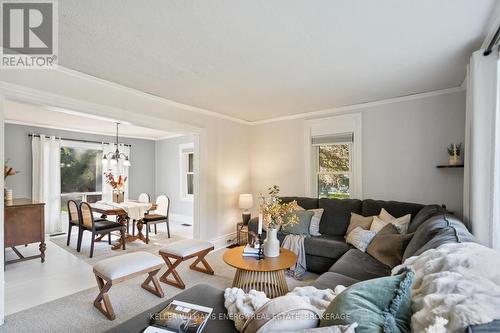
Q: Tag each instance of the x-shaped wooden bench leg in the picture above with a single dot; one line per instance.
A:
(156, 290)
(201, 258)
(102, 302)
(177, 281)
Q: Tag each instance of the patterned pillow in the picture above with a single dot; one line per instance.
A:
(402, 223)
(360, 238)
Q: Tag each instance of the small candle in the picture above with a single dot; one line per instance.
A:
(259, 230)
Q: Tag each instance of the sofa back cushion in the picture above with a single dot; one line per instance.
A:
(337, 215)
(423, 215)
(395, 208)
(306, 203)
(436, 231)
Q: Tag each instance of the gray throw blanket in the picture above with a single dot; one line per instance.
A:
(295, 243)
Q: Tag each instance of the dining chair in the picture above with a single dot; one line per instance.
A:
(96, 227)
(145, 198)
(73, 218)
(160, 215)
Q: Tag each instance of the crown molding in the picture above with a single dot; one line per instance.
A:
(360, 106)
(156, 98)
(76, 130)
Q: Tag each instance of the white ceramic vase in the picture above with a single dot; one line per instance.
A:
(454, 160)
(271, 243)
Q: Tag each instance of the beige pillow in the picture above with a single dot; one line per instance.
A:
(285, 313)
(388, 245)
(314, 226)
(360, 238)
(377, 224)
(359, 221)
(402, 223)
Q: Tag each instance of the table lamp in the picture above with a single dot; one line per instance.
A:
(245, 202)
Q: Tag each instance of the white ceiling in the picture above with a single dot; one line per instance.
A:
(261, 59)
(32, 115)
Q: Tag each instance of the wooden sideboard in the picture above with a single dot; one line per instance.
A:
(24, 223)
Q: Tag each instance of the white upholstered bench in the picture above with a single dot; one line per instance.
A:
(184, 250)
(117, 269)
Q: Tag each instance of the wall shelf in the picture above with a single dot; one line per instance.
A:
(449, 166)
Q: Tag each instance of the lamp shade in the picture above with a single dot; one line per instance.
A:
(245, 201)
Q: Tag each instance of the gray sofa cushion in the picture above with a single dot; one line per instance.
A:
(360, 266)
(337, 215)
(306, 203)
(436, 231)
(326, 246)
(395, 208)
(423, 215)
(201, 294)
(331, 280)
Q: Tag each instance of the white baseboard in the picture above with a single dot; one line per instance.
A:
(180, 218)
(223, 241)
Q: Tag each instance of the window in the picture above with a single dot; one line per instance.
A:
(334, 172)
(334, 147)
(81, 173)
(187, 171)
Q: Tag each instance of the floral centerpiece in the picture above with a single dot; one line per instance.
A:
(274, 213)
(8, 171)
(117, 185)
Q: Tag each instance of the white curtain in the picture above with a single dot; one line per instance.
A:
(46, 154)
(482, 154)
(120, 169)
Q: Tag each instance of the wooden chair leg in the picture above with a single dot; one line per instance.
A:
(92, 245)
(133, 228)
(109, 238)
(79, 241)
(156, 231)
(102, 302)
(124, 240)
(201, 258)
(156, 289)
(147, 232)
(168, 228)
(177, 281)
(70, 225)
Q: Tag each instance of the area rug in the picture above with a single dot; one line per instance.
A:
(102, 249)
(75, 313)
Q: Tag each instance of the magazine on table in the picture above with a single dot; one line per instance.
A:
(180, 317)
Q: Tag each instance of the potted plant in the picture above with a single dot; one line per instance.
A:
(276, 214)
(8, 172)
(117, 185)
(455, 154)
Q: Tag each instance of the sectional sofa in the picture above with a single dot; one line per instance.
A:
(336, 261)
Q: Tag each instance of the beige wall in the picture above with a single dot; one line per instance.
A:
(402, 144)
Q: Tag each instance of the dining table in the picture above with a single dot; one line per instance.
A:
(124, 211)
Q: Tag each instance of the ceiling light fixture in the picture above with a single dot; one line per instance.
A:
(114, 158)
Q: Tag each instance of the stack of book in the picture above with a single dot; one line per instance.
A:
(249, 251)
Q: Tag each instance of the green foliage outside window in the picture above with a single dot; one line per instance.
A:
(334, 169)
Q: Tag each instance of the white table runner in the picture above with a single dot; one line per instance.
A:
(134, 210)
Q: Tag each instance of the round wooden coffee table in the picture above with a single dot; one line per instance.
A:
(267, 275)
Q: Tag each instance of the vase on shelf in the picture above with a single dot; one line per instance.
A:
(8, 194)
(118, 196)
(454, 160)
(271, 243)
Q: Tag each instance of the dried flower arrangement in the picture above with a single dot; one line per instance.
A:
(118, 184)
(275, 212)
(8, 171)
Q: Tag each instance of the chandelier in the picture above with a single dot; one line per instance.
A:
(114, 158)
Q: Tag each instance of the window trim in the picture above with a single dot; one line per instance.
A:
(331, 126)
(184, 150)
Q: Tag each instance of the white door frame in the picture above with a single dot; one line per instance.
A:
(2, 275)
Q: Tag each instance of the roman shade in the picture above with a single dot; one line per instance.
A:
(332, 139)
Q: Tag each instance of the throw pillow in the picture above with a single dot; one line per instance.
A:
(377, 224)
(377, 305)
(389, 245)
(359, 221)
(316, 219)
(360, 238)
(402, 223)
(302, 226)
(285, 313)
